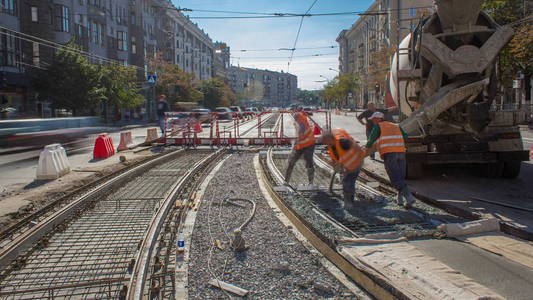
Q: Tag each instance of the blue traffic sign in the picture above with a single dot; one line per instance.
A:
(151, 79)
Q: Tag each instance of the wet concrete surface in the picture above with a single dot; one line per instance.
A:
(507, 278)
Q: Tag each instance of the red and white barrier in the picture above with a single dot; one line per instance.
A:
(103, 147)
(126, 141)
(53, 163)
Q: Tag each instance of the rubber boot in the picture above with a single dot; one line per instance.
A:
(408, 196)
(288, 174)
(311, 175)
(400, 199)
(348, 200)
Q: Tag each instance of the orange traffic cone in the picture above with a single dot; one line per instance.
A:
(197, 128)
(316, 130)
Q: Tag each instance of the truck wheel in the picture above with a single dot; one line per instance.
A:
(493, 170)
(511, 169)
(414, 170)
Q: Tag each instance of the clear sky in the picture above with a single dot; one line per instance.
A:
(249, 34)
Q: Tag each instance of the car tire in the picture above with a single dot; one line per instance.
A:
(511, 169)
(493, 170)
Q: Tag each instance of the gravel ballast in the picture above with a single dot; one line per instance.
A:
(274, 266)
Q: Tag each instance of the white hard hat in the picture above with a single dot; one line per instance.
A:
(377, 114)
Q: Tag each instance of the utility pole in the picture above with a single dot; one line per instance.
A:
(398, 32)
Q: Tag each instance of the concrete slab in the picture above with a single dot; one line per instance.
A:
(505, 277)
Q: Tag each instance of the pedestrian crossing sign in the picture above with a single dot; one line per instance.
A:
(151, 79)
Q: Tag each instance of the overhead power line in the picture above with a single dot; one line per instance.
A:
(284, 57)
(284, 49)
(298, 34)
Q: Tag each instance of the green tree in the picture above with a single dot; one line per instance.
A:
(516, 56)
(119, 86)
(177, 84)
(70, 82)
(216, 93)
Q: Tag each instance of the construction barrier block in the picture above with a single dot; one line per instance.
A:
(53, 162)
(151, 135)
(103, 146)
(126, 141)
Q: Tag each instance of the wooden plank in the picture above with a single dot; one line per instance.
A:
(228, 287)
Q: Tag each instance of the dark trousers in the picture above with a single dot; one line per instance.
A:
(295, 155)
(348, 181)
(395, 165)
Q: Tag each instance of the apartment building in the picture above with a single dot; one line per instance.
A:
(268, 87)
(129, 31)
(364, 48)
(222, 59)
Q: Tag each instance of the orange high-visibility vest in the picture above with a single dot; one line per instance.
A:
(350, 159)
(391, 138)
(308, 138)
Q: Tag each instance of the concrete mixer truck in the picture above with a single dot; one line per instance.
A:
(444, 82)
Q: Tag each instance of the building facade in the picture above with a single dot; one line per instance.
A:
(267, 87)
(131, 32)
(222, 59)
(366, 47)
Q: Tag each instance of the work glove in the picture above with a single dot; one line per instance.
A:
(338, 167)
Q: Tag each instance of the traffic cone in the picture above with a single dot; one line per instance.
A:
(197, 128)
(316, 130)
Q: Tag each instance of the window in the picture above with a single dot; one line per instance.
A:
(122, 40)
(62, 18)
(133, 45)
(96, 32)
(36, 60)
(133, 18)
(7, 6)
(412, 12)
(8, 51)
(178, 58)
(34, 14)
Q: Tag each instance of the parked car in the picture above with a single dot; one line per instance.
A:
(224, 113)
(308, 110)
(251, 111)
(201, 114)
(237, 112)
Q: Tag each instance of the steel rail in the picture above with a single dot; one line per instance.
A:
(76, 256)
(372, 284)
(29, 238)
(29, 220)
(139, 277)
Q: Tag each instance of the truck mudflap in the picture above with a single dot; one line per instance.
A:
(494, 164)
(466, 157)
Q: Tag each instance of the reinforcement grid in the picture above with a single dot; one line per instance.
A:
(90, 257)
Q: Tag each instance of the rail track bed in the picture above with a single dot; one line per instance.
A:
(95, 250)
(275, 264)
(394, 253)
(374, 212)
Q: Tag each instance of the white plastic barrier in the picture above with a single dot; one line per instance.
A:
(53, 162)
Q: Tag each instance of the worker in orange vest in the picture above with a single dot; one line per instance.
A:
(348, 158)
(389, 139)
(304, 145)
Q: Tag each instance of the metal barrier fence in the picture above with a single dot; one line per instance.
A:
(264, 128)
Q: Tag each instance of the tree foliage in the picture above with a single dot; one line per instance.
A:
(516, 56)
(337, 91)
(307, 97)
(178, 85)
(216, 92)
(72, 82)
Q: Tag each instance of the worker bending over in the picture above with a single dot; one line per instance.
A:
(348, 158)
(305, 145)
(389, 139)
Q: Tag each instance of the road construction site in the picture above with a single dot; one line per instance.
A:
(207, 217)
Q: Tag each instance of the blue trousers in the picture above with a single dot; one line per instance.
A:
(162, 125)
(348, 181)
(395, 165)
